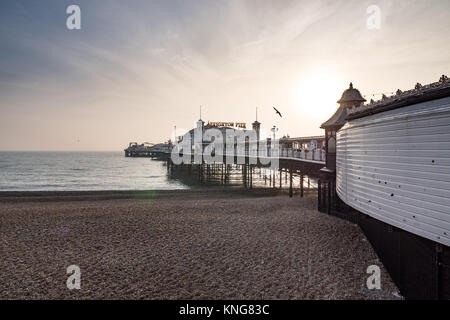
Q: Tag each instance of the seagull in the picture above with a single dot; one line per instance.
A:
(278, 112)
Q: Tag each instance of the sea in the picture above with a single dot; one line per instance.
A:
(92, 171)
(82, 171)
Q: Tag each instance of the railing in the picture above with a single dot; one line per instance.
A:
(316, 154)
(313, 155)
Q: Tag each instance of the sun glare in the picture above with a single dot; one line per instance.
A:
(315, 96)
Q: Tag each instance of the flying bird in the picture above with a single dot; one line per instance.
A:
(278, 112)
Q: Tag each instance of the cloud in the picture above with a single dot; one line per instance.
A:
(157, 61)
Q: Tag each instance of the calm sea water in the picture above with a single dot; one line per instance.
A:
(86, 171)
(73, 171)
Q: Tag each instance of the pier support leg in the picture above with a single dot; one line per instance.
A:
(329, 197)
(319, 199)
(301, 185)
(274, 180)
(248, 175)
(290, 182)
(200, 173)
(227, 173)
(281, 176)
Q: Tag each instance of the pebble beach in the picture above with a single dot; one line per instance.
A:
(208, 244)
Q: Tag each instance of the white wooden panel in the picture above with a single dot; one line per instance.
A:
(395, 167)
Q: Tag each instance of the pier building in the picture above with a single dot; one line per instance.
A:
(388, 169)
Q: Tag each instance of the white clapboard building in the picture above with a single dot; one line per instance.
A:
(393, 161)
(388, 170)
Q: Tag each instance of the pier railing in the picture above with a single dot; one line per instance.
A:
(313, 155)
(316, 155)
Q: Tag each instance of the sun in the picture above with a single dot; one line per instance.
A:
(315, 96)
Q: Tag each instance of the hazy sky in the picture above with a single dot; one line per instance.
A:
(137, 68)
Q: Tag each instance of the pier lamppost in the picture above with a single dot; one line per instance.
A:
(256, 126)
(274, 130)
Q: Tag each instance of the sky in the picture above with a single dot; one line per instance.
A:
(138, 68)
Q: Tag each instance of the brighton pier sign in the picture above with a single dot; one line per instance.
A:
(229, 124)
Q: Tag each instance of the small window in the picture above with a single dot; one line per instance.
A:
(331, 145)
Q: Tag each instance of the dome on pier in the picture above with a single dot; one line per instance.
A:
(351, 96)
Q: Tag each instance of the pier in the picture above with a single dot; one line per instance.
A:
(294, 174)
(148, 150)
(297, 169)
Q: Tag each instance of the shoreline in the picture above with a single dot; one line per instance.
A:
(94, 195)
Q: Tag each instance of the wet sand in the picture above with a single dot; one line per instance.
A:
(218, 244)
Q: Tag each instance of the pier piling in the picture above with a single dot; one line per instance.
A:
(290, 182)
